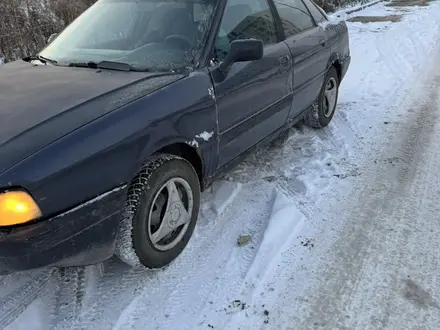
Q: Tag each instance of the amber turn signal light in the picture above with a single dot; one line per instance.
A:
(17, 207)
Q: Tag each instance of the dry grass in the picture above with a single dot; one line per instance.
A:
(374, 19)
(408, 3)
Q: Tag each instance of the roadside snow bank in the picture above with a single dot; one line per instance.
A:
(219, 196)
(285, 223)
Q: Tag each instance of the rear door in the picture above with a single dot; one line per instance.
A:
(310, 52)
(255, 97)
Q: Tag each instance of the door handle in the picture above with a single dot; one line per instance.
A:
(284, 60)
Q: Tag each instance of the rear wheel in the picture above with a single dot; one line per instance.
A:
(160, 213)
(324, 108)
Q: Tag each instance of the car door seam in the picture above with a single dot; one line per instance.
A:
(257, 113)
(307, 82)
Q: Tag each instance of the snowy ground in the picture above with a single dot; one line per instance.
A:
(343, 221)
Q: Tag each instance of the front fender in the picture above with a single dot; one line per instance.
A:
(107, 152)
(191, 119)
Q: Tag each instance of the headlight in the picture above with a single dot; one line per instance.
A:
(17, 207)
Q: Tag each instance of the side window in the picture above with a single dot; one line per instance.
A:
(316, 13)
(245, 19)
(294, 16)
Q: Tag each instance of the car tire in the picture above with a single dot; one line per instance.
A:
(324, 108)
(163, 198)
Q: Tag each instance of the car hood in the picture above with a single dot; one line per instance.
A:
(39, 103)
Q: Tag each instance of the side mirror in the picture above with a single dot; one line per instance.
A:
(242, 50)
(52, 36)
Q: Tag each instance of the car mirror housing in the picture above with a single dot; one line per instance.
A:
(242, 50)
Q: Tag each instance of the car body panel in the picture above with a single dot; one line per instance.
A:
(310, 53)
(253, 101)
(110, 150)
(39, 104)
(339, 42)
(72, 136)
(82, 236)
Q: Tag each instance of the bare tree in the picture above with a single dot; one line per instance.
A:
(26, 25)
(67, 10)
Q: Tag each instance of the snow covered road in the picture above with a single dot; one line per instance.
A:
(344, 222)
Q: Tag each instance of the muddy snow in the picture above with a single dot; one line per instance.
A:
(339, 226)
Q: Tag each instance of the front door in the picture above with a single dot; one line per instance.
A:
(310, 52)
(254, 99)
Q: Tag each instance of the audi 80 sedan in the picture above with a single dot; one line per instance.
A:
(111, 132)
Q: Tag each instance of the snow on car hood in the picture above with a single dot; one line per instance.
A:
(39, 104)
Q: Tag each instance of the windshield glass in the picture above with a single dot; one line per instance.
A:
(146, 34)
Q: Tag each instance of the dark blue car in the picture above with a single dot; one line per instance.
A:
(108, 135)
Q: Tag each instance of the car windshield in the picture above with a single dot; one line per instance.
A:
(153, 35)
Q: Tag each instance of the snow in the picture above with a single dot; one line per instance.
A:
(335, 18)
(205, 135)
(219, 195)
(194, 143)
(285, 224)
(211, 92)
(339, 235)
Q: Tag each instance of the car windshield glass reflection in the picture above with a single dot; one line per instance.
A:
(145, 34)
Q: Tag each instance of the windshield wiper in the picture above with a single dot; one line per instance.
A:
(40, 58)
(109, 65)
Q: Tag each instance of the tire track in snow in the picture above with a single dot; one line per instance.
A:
(300, 301)
(385, 47)
(301, 149)
(402, 194)
(407, 215)
(285, 224)
(68, 300)
(402, 51)
(361, 235)
(137, 281)
(197, 281)
(311, 165)
(333, 136)
(124, 294)
(110, 295)
(16, 302)
(406, 171)
(242, 259)
(11, 282)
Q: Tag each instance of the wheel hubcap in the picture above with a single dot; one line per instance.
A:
(170, 214)
(330, 93)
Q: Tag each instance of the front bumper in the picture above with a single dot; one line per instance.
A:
(82, 236)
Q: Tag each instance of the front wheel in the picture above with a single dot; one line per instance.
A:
(324, 108)
(160, 213)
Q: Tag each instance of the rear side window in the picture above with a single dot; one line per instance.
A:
(316, 13)
(294, 16)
